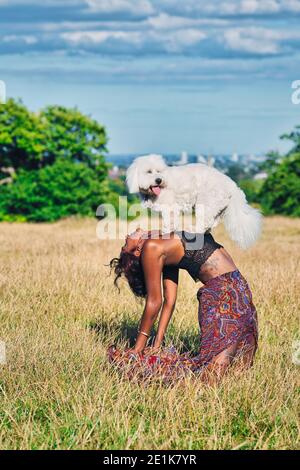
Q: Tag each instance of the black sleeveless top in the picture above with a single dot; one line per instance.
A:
(197, 249)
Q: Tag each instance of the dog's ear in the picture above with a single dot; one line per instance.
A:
(132, 178)
(161, 159)
(158, 159)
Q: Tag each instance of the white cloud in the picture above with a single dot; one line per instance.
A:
(167, 26)
(166, 21)
(168, 41)
(38, 2)
(98, 37)
(132, 6)
(293, 5)
(259, 6)
(29, 40)
(252, 7)
(258, 40)
(176, 41)
(251, 40)
(183, 7)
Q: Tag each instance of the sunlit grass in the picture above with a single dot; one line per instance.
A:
(59, 311)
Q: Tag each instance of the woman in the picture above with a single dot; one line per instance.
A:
(227, 316)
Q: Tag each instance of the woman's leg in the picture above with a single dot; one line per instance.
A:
(227, 320)
(242, 351)
(246, 351)
(219, 365)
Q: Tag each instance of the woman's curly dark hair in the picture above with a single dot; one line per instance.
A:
(130, 265)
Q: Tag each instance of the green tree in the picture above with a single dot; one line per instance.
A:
(294, 137)
(59, 190)
(252, 189)
(22, 137)
(273, 158)
(236, 172)
(52, 163)
(117, 187)
(72, 135)
(34, 140)
(280, 193)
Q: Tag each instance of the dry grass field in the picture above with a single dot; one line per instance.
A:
(59, 311)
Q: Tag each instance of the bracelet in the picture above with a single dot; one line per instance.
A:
(145, 334)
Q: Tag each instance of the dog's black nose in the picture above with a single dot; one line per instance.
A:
(158, 180)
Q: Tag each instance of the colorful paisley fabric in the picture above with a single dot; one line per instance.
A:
(226, 316)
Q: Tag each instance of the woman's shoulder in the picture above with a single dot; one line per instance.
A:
(152, 244)
(159, 245)
(152, 253)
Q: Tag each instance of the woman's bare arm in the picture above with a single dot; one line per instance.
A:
(170, 284)
(152, 262)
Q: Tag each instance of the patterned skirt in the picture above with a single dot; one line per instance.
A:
(227, 317)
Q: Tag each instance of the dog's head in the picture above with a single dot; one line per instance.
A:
(145, 175)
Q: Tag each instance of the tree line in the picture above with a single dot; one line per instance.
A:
(279, 193)
(52, 165)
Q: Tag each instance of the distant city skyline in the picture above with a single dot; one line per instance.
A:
(219, 160)
(162, 76)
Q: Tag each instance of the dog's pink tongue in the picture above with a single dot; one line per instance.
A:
(156, 190)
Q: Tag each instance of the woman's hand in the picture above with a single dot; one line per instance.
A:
(147, 351)
(134, 351)
(150, 350)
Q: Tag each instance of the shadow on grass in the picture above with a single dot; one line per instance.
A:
(126, 331)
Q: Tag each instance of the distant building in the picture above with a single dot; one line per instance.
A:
(183, 159)
(114, 172)
(201, 159)
(211, 160)
(235, 157)
(260, 176)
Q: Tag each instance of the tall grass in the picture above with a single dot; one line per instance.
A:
(59, 311)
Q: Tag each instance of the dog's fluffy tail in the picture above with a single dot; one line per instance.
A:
(242, 222)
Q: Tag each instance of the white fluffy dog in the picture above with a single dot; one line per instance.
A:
(213, 195)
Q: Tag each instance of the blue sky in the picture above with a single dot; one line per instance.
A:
(162, 76)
